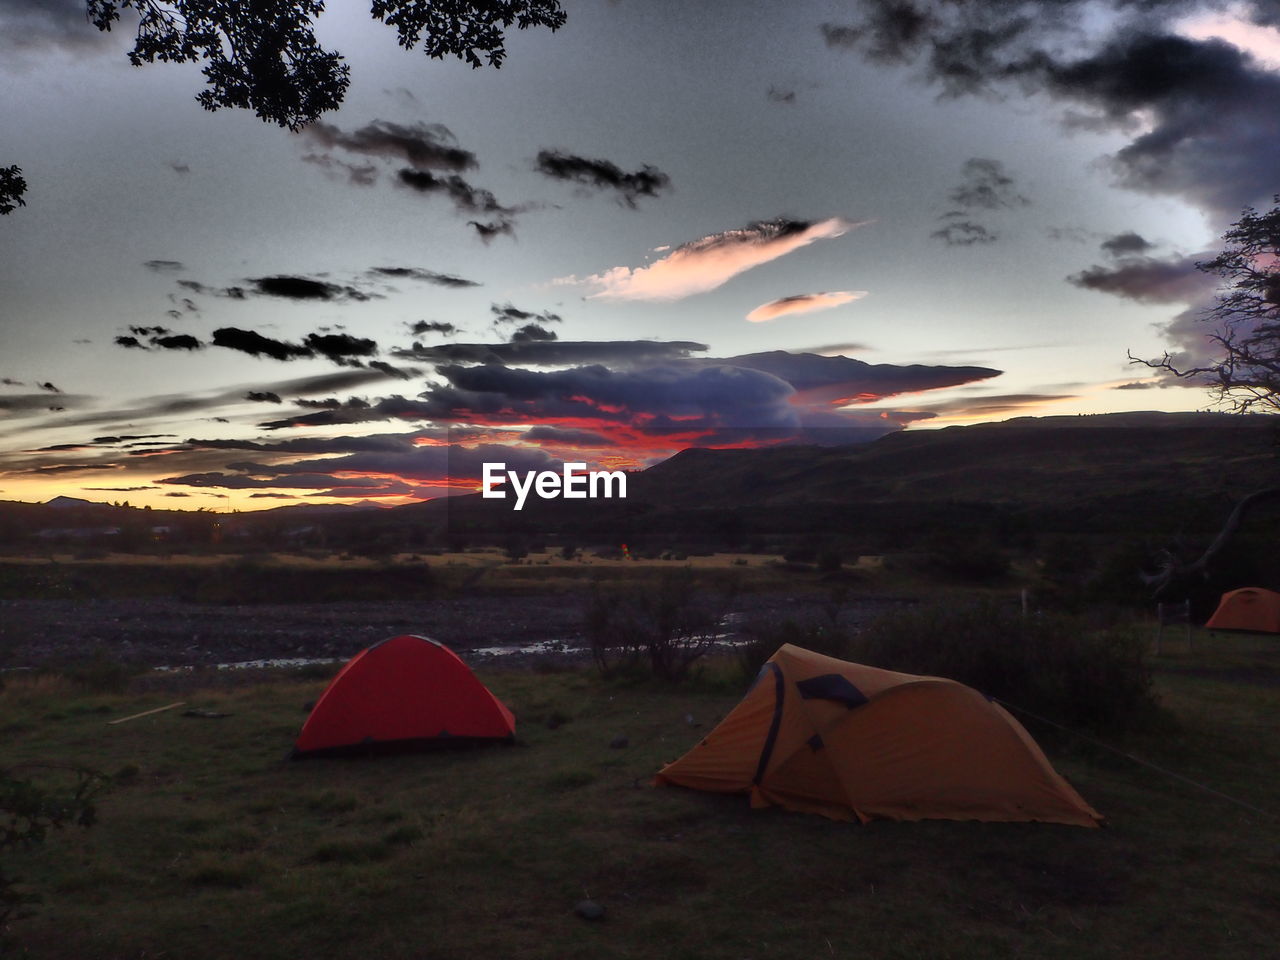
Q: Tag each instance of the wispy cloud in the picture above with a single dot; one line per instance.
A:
(1150, 279)
(603, 175)
(426, 276)
(423, 146)
(711, 261)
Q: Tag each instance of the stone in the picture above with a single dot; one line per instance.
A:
(589, 910)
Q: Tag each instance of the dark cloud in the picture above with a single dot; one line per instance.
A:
(778, 95)
(32, 27)
(422, 146)
(720, 395)
(603, 175)
(305, 288)
(283, 286)
(1069, 234)
(838, 35)
(845, 380)
(119, 489)
(263, 396)
(340, 346)
(551, 354)
(964, 233)
(179, 168)
(890, 30)
(1150, 280)
(531, 332)
(325, 382)
(1135, 385)
(128, 437)
(356, 174)
(569, 437)
(400, 373)
(426, 148)
(256, 345)
(130, 342)
(26, 403)
(1201, 114)
(499, 227)
(163, 266)
(506, 313)
(10, 382)
(49, 387)
(1126, 244)
(240, 481)
(426, 276)
(68, 468)
(394, 407)
(466, 199)
(180, 341)
(431, 326)
(986, 186)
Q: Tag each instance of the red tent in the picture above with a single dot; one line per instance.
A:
(1249, 608)
(404, 691)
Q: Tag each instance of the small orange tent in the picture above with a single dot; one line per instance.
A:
(1249, 608)
(826, 736)
(404, 691)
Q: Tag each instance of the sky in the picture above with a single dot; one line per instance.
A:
(730, 223)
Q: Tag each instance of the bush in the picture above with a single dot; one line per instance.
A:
(28, 811)
(972, 560)
(660, 628)
(1057, 666)
(764, 637)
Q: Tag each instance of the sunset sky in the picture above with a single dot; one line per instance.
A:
(668, 224)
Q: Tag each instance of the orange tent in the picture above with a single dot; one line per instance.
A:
(406, 691)
(1249, 608)
(825, 736)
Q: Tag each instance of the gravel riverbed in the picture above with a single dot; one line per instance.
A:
(156, 633)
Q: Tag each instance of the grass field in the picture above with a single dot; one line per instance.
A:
(210, 844)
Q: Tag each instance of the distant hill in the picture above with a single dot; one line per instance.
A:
(1131, 474)
(1027, 460)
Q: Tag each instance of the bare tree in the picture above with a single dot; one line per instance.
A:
(1245, 377)
(1245, 319)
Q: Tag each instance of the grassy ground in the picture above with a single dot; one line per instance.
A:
(211, 844)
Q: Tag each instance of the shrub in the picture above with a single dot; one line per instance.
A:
(100, 673)
(28, 811)
(972, 560)
(1057, 666)
(661, 627)
(764, 637)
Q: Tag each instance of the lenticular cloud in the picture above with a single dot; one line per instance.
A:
(712, 261)
(803, 303)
